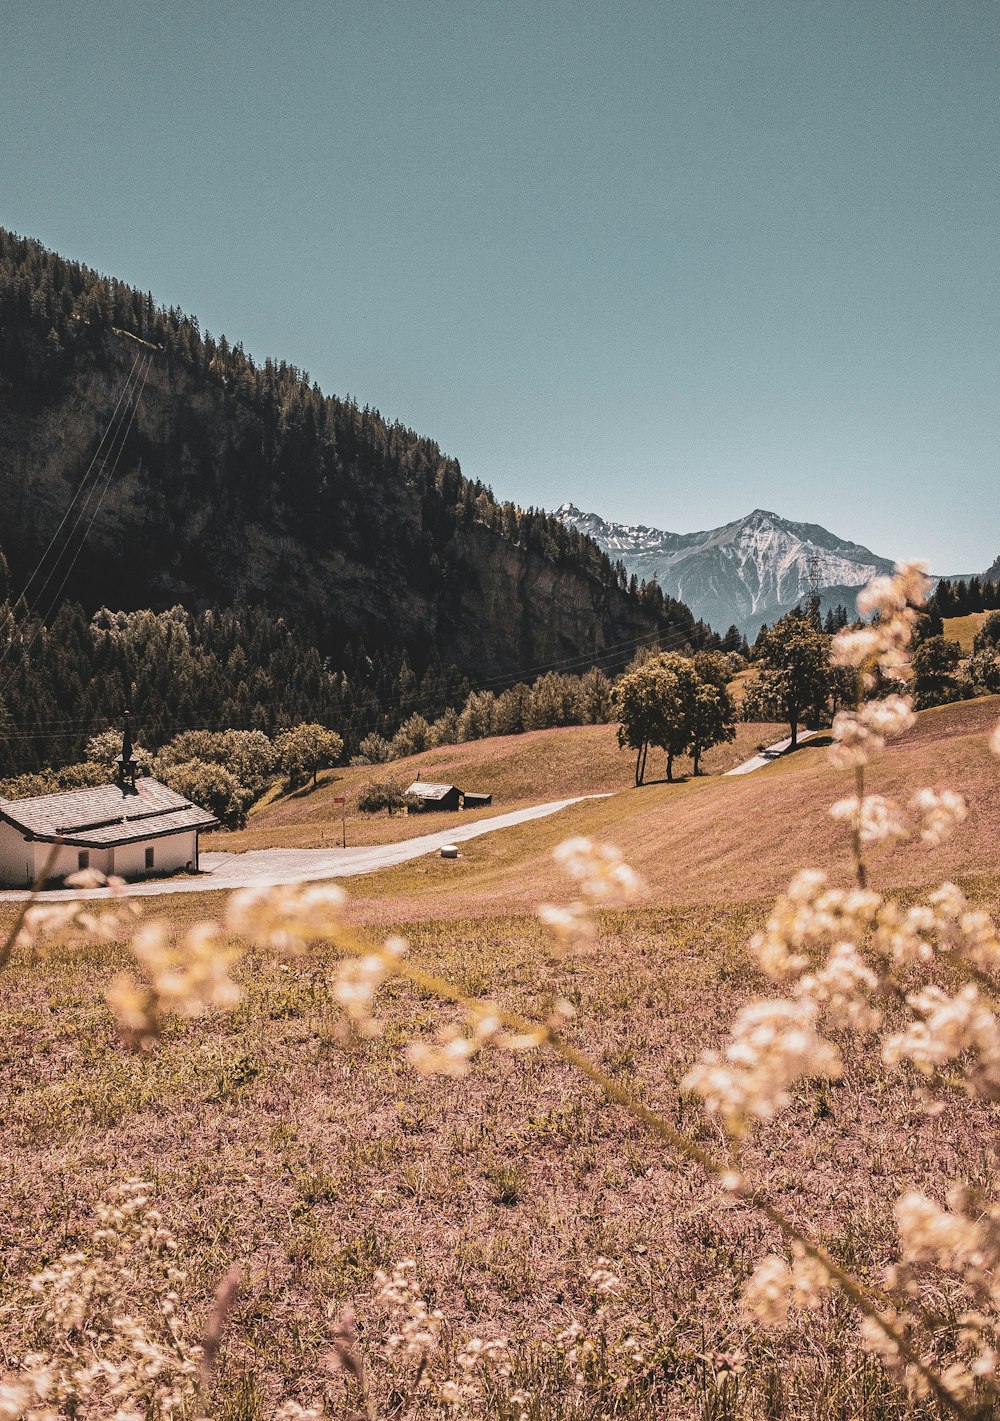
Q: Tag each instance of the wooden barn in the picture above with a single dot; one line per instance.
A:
(434, 796)
(471, 800)
(134, 827)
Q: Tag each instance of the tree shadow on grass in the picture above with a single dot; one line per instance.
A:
(816, 742)
(303, 791)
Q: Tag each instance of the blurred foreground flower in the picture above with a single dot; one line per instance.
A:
(183, 979)
(598, 869)
(287, 918)
(774, 1044)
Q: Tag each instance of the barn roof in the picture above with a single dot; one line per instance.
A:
(424, 790)
(106, 815)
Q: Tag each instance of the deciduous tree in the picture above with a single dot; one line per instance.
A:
(793, 658)
(306, 749)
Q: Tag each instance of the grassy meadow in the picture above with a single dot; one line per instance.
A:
(518, 770)
(964, 629)
(311, 1164)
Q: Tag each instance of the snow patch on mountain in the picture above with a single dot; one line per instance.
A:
(745, 573)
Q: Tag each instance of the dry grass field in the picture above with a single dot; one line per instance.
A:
(725, 840)
(311, 1164)
(963, 629)
(518, 770)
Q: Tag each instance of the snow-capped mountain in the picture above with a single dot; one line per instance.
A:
(743, 574)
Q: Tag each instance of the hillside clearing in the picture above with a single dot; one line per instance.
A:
(518, 770)
(726, 839)
(964, 629)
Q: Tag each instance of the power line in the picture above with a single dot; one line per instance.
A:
(80, 487)
(369, 712)
(42, 622)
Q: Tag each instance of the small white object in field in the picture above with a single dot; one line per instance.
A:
(449, 851)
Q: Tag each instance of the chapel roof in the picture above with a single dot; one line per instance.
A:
(106, 815)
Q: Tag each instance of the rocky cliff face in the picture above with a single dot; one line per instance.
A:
(748, 572)
(223, 494)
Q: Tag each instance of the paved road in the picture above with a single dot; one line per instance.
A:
(771, 753)
(273, 866)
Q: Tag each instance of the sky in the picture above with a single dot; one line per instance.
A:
(668, 261)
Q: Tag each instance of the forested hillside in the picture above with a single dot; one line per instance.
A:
(145, 464)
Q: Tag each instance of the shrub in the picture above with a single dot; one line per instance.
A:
(982, 673)
(105, 748)
(413, 736)
(373, 750)
(935, 663)
(213, 788)
(28, 786)
(85, 775)
(444, 731)
(988, 635)
(249, 756)
(388, 794)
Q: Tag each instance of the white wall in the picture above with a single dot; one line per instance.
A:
(21, 862)
(67, 859)
(17, 859)
(170, 852)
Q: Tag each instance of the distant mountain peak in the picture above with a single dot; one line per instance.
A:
(744, 573)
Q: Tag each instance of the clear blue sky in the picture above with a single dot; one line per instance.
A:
(670, 261)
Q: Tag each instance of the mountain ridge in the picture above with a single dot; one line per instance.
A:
(746, 572)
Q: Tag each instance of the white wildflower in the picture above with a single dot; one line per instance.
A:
(887, 642)
(451, 1054)
(929, 1234)
(893, 715)
(906, 936)
(419, 1324)
(877, 820)
(774, 1044)
(805, 918)
(853, 648)
(947, 1028)
(774, 1287)
(912, 579)
(288, 918)
(884, 595)
(602, 1277)
(572, 925)
(599, 869)
(357, 979)
(938, 812)
(86, 878)
(185, 978)
(843, 988)
(875, 1339)
(854, 743)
